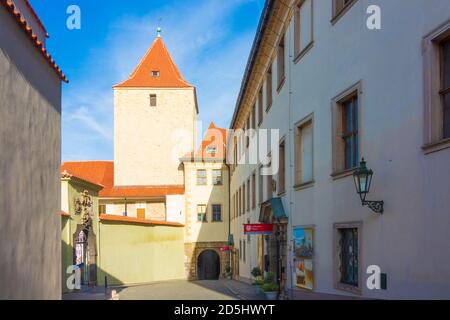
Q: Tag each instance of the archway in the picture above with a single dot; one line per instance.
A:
(208, 265)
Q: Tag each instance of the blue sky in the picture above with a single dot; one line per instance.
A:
(209, 40)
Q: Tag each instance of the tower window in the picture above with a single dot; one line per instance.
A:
(155, 73)
(153, 100)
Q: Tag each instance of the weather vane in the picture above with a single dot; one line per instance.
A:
(158, 30)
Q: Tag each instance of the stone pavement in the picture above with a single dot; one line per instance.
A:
(244, 291)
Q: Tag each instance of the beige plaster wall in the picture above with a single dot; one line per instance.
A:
(206, 231)
(148, 141)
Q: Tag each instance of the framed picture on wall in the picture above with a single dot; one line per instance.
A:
(303, 254)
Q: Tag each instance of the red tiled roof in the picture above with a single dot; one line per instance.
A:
(215, 138)
(27, 3)
(11, 8)
(113, 218)
(157, 59)
(102, 173)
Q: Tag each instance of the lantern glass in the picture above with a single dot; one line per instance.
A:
(363, 179)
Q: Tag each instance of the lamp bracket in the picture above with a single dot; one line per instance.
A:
(376, 206)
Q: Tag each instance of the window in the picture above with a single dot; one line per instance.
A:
(216, 212)
(348, 256)
(247, 136)
(269, 184)
(248, 195)
(240, 249)
(350, 131)
(281, 169)
(217, 177)
(304, 153)
(340, 7)
(281, 63)
(243, 254)
(253, 190)
(445, 85)
(243, 198)
(201, 177)
(155, 73)
(345, 118)
(436, 70)
(260, 106)
(240, 202)
(153, 101)
(303, 27)
(102, 209)
(201, 213)
(254, 117)
(235, 151)
(261, 185)
(269, 87)
(212, 150)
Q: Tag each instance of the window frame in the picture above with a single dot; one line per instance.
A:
(205, 217)
(281, 61)
(282, 164)
(299, 52)
(153, 98)
(198, 177)
(254, 190)
(337, 13)
(338, 160)
(260, 107)
(269, 87)
(212, 212)
(434, 139)
(213, 177)
(337, 273)
(248, 195)
(299, 184)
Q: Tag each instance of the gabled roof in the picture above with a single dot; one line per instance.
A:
(213, 146)
(24, 25)
(157, 59)
(102, 173)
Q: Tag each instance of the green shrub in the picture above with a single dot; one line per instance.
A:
(256, 272)
(269, 287)
(227, 269)
(258, 282)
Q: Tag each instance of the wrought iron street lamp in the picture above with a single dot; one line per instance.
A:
(363, 180)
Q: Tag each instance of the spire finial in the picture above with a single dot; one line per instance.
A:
(158, 32)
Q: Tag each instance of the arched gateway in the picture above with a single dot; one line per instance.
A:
(208, 265)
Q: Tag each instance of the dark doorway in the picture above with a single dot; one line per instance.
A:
(208, 265)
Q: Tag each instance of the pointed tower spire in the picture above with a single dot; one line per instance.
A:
(156, 69)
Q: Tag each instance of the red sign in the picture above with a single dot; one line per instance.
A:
(225, 248)
(260, 228)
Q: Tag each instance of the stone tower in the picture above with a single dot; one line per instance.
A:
(155, 111)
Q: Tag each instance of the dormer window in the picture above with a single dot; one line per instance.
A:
(155, 74)
(211, 150)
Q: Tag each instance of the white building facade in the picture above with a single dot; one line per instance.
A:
(338, 91)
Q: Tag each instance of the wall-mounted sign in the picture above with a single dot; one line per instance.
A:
(225, 248)
(259, 228)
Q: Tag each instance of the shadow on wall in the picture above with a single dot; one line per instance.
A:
(131, 253)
